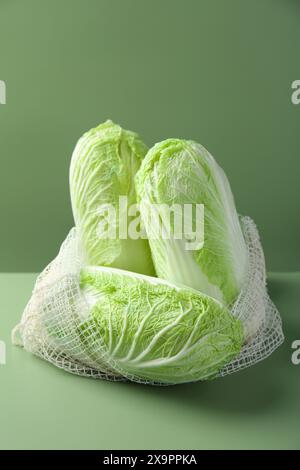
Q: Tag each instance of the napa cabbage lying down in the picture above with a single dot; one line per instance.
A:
(153, 330)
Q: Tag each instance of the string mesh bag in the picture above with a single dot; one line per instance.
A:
(57, 327)
(260, 317)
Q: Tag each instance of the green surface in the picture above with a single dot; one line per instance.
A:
(216, 71)
(43, 407)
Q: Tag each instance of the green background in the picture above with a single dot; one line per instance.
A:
(217, 71)
(43, 407)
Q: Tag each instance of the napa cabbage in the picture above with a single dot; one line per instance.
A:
(103, 167)
(178, 172)
(153, 330)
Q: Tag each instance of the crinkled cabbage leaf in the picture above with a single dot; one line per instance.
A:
(179, 172)
(154, 330)
(103, 167)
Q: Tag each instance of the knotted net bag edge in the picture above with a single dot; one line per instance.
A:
(260, 317)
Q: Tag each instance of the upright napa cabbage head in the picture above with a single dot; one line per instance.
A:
(176, 174)
(154, 331)
(103, 167)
